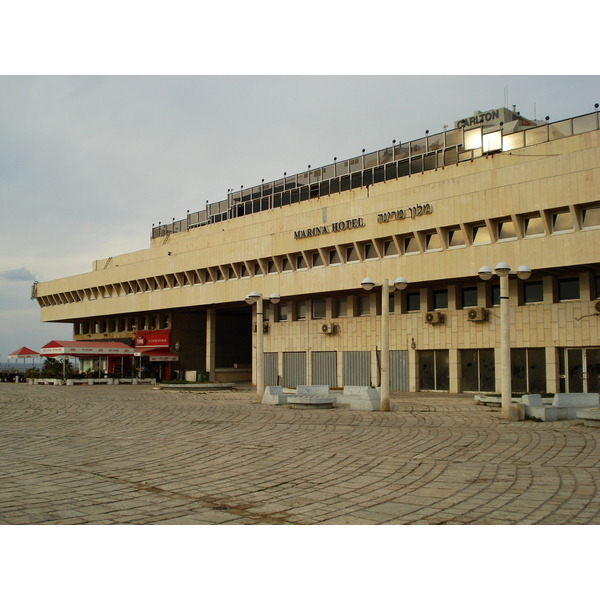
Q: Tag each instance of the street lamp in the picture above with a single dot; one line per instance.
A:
(503, 270)
(368, 284)
(256, 298)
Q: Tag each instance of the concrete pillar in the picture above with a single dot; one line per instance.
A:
(454, 372)
(211, 342)
(552, 373)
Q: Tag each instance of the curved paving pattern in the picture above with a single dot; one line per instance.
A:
(125, 454)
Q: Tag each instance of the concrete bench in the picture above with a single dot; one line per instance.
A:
(312, 396)
(590, 416)
(579, 400)
(564, 406)
(306, 396)
(301, 401)
(274, 395)
(360, 397)
(569, 404)
(535, 407)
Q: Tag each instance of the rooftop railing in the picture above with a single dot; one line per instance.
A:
(424, 154)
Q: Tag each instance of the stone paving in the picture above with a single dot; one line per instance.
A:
(135, 455)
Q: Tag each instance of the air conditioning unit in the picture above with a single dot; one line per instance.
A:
(327, 328)
(597, 306)
(477, 313)
(434, 317)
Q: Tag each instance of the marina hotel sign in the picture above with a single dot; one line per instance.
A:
(394, 215)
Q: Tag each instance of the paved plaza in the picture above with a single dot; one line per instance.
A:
(135, 455)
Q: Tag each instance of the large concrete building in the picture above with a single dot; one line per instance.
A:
(495, 188)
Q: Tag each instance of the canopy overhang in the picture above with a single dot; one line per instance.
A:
(83, 349)
(158, 355)
(24, 352)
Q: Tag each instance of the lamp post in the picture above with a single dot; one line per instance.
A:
(503, 270)
(368, 284)
(256, 298)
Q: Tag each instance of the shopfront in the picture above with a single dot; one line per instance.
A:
(153, 354)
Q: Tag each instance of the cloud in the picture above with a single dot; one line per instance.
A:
(21, 274)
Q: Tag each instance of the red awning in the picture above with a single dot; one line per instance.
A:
(81, 349)
(24, 352)
(158, 355)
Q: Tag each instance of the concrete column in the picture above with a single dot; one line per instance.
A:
(505, 347)
(454, 375)
(552, 370)
(385, 346)
(211, 343)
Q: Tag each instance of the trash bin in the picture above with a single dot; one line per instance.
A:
(202, 376)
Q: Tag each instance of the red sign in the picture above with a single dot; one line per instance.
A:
(153, 339)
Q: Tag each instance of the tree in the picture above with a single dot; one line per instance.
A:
(53, 368)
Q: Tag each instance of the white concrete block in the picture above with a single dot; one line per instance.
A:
(576, 400)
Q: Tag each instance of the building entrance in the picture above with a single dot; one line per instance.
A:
(579, 370)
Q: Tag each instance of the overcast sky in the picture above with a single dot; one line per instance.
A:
(89, 163)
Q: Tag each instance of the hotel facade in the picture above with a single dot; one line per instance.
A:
(495, 188)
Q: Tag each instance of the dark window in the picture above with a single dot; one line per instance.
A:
(300, 262)
(413, 301)
(568, 289)
(440, 299)
(528, 370)
(391, 305)
(469, 296)
(533, 291)
(597, 286)
(364, 306)
(318, 309)
(334, 257)
(390, 171)
(495, 288)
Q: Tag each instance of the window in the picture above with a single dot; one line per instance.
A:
(413, 301)
(364, 306)
(590, 218)
(243, 271)
(370, 251)
(432, 242)
(468, 296)
(301, 310)
(300, 262)
(318, 309)
(341, 306)
(528, 370)
(456, 238)
(495, 289)
(286, 265)
(568, 289)
(562, 221)
(440, 299)
(266, 311)
(533, 291)
(334, 257)
(317, 261)
(389, 248)
(481, 235)
(410, 245)
(507, 231)
(597, 281)
(351, 254)
(271, 268)
(391, 304)
(282, 311)
(534, 226)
